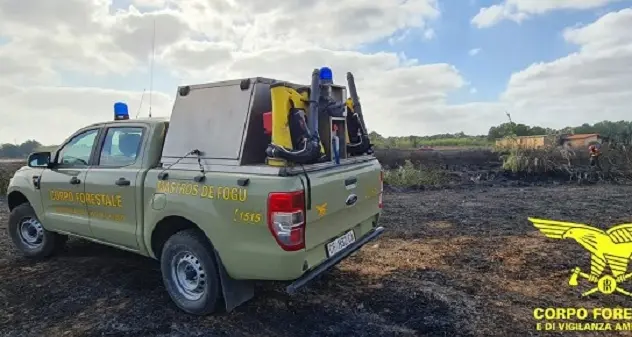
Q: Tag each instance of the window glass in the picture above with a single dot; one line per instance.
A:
(121, 146)
(77, 151)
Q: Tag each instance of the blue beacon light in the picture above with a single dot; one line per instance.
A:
(120, 111)
(326, 75)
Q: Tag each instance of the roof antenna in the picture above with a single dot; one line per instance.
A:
(141, 104)
(151, 71)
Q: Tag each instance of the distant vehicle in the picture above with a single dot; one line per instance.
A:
(201, 194)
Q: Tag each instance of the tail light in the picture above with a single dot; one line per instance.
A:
(381, 187)
(286, 219)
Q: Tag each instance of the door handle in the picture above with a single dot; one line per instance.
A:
(122, 182)
(75, 181)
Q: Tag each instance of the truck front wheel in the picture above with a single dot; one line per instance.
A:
(189, 272)
(29, 236)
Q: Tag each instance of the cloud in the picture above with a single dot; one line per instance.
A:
(50, 114)
(429, 34)
(520, 10)
(47, 50)
(83, 36)
(149, 3)
(15, 70)
(254, 24)
(473, 52)
(201, 41)
(88, 35)
(587, 86)
(397, 38)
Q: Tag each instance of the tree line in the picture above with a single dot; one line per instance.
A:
(620, 132)
(457, 139)
(19, 151)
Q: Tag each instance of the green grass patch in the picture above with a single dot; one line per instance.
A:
(410, 175)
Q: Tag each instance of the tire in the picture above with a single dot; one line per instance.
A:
(190, 273)
(28, 235)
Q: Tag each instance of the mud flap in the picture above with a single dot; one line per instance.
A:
(235, 292)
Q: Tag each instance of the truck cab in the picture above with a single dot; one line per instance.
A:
(80, 188)
(200, 193)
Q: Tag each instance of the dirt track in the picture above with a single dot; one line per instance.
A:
(453, 263)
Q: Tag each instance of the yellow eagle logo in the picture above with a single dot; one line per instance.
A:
(612, 248)
(322, 209)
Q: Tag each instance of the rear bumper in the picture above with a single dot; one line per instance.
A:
(329, 263)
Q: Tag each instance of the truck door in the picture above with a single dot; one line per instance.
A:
(62, 187)
(112, 186)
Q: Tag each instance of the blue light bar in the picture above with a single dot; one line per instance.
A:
(326, 74)
(120, 111)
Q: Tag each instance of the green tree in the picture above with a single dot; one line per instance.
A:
(9, 150)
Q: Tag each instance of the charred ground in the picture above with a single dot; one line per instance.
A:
(462, 262)
(457, 260)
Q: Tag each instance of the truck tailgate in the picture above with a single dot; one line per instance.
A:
(341, 198)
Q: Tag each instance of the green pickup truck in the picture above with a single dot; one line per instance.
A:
(196, 193)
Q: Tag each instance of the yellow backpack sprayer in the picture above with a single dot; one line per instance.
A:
(295, 122)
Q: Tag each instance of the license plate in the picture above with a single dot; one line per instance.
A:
(340, 243)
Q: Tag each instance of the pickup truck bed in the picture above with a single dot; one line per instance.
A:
(337, 199)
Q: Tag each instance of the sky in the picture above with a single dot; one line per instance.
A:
(422, 67)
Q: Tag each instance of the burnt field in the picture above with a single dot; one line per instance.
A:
(462, 262)
(459, 258)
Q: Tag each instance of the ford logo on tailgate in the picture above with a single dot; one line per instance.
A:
(351, 199)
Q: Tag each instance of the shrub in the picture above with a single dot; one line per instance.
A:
(410, 176)
(7, 169)
(532, 161)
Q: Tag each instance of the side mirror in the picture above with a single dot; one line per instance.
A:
(39, 159)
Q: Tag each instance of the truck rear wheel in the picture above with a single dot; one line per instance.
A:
(190, 273)
(29, 236)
